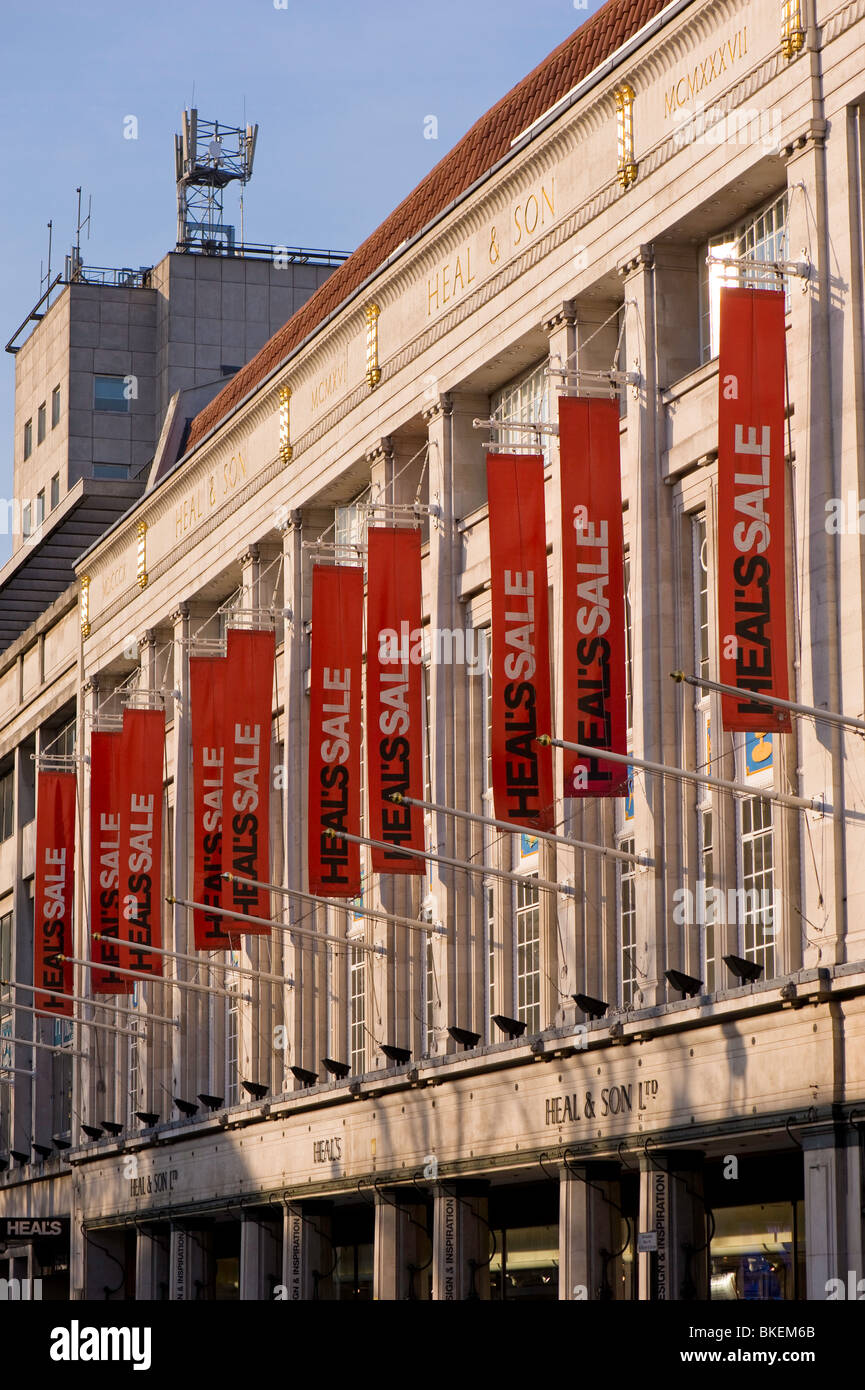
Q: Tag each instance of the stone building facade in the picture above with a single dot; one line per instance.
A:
(671, 1148)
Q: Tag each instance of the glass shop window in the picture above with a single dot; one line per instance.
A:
(758, 1253)
(525, 1264)
(352, 1276)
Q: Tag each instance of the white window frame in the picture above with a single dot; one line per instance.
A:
(707, 924)
(356, 987)
(766, 952)
(526, 399)
(626, 872)
(761, 236)
(524, 1005)
(232, 1036)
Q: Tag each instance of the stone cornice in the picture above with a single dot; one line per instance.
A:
(811, 136)
(643, 258)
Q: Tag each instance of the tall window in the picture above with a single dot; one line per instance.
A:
(62, 743)
(109, 393)
(528, 973)
(55, 490)
(707, 880)
(357, 1010)
(487, 697)
(701, 594)
(622, 357)
(705, 849)
(349, 527)
(5, 957)
(5, 1026)
(427, 731)
(629, 648)
(760, 237)
(39, 515)
(627, 925)
(490, 899)
(758, 884)
(41, 420)
(7, 804)
(55, 407)
(525, 401)
(26, 522)
(133, 1074)
(28, 439)
(232, 1045)
(430, 994)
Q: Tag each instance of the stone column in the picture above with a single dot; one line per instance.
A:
(671, 1205)
(254, 1030)
(260, 1257)
(105, 1265)
(652, 565)
(590, 1232)
(461, 1242)
(393, 483)
(827, 446)
(402, 1247)
(27, 1025)
(307, 1254)
(303, 960)
(190, 1264)
(457, 487)
(825, 1158)
(151, 1263)
(94, 1077)
(584, 339)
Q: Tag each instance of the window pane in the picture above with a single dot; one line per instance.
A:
(627, 925)
(110, 470)
(526, 400)
(7, 805)
(40, 423)
(232, 1023)
(109, 393)
(5, 955)
(28, 439)
(528, 956)
(758, 885)
(760, 237)
(55, 406)
(357, 1011)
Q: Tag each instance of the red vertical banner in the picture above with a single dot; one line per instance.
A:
(522, 769)
(209, 737)
(594, 670)
(247, 701)
(752, 590)
(105, 751)
(140, 782)
(394, 696)
(53, 893)
(335, 730)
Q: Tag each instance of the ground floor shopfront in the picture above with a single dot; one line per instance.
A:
(694, 1157)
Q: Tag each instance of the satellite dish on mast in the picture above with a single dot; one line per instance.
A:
(214, 149)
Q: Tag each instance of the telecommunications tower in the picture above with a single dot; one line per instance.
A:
(208, 156)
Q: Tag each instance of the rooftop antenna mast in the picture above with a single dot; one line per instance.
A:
(46, 278)
(208, 156)
(74, 261)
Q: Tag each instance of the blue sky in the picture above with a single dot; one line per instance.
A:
(339, 89)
